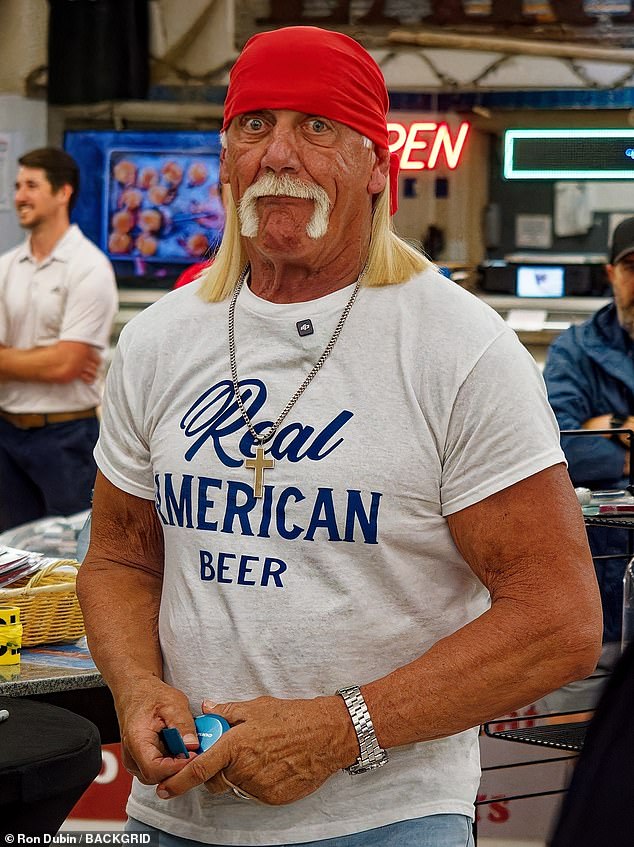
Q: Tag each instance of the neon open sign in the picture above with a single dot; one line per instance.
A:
(424, 145)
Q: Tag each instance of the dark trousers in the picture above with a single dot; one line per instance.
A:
(44, 471)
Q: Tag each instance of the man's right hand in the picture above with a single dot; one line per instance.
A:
(143, 712)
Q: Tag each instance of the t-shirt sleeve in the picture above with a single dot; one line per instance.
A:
(122, 452)
(91, 306)
(501, 429)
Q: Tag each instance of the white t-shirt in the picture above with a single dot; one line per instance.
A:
(69, 296)
(345, 569)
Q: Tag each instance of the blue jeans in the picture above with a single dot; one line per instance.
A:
(47, 470)
(430, 831)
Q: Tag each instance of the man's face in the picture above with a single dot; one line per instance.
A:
(321, 157)
(621, 277)
(35, 200)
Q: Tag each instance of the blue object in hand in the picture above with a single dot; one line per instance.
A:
(209, 728)
(173, 740)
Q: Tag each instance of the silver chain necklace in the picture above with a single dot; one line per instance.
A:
(260, 463)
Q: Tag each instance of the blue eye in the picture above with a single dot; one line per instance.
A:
(252, 123)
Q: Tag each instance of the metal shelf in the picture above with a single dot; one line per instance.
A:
(614, 521)
(560, 736)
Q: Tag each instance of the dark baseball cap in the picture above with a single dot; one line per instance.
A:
(622, 241)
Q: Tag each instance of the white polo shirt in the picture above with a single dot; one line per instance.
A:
(71, 295)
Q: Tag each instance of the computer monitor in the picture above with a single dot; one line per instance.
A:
(539, 281)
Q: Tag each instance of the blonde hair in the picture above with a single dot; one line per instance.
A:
(390, 258)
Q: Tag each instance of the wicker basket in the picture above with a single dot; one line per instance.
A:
(49, 609)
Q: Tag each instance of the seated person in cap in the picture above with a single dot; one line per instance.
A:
(590, 382)
(348, 525)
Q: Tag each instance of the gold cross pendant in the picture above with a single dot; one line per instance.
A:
(259, 465)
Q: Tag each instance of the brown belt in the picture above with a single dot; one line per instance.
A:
(34, 420)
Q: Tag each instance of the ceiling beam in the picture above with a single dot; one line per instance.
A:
(514, 46)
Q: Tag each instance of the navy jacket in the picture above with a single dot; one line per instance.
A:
(590, 371)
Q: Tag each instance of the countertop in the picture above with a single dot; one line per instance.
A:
(50, 668)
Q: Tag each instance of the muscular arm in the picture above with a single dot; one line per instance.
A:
(62, 362)
(119, 588)
(528, 545)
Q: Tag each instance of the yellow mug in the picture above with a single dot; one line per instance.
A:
(10, 635)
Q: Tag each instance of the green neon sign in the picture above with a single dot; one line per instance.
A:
(569, 154)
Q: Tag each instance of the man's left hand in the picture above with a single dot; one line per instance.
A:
(278, 751)
(90, 366)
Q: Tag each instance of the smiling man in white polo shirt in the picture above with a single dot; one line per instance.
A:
(58, 299)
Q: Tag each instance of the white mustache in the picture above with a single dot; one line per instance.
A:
(271, 185)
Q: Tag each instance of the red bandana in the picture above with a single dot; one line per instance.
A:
(318, 72)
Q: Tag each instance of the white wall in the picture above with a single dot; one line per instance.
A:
(460, 214)
(23, 32)
(23, 27)
(194, 39)
(23, 125)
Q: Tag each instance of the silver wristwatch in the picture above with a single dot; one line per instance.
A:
(372, 754)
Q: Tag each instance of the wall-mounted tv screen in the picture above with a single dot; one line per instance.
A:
(150, 200)
(539, 281)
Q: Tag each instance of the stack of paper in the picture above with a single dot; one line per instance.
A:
(15, 564)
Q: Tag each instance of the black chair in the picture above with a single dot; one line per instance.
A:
(48, 758)
(597, 810)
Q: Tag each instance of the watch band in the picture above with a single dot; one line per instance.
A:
(617, 421)
(372, 755)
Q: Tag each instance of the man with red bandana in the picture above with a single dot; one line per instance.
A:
(332, 507)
